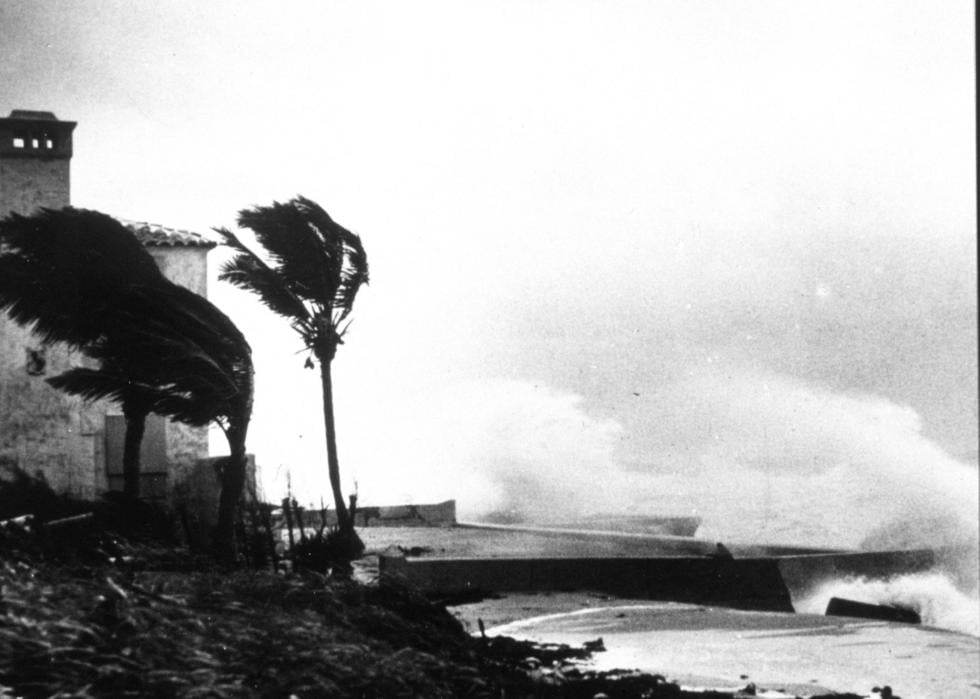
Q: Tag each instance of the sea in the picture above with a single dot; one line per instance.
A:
(834, 511)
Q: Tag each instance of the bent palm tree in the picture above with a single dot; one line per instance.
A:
(175, 354)
(81, 278)
(315, 271)
(62, 273)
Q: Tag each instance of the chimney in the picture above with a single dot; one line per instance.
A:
(35, 154)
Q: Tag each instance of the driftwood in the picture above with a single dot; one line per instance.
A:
(86, 518)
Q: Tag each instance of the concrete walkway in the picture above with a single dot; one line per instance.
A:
(798, 654)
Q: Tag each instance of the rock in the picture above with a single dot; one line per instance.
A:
(883, 612)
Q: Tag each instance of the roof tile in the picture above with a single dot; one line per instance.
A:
(152, 235)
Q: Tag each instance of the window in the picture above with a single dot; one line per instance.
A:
(36, 140)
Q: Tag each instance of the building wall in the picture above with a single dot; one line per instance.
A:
(29, 183)
(44, 431)
(49, 433)
(187, 266)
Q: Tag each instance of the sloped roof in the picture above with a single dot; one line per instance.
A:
(153, 235)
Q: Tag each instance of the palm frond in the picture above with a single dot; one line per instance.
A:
(292, 236)
(188, 339)
(355, 273)
(87, 246)
(90, 384)
(102, 384)
(326, 261)
(94, 384)
(247, 272)
(316, 259)
(37, 296)
(189, 410)
(198, 319)
(62, 269)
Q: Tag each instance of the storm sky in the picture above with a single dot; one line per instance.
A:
(631, 237)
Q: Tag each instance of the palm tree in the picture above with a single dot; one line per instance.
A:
(63, 272)
(81, 278)
(173, 353)
(315, 270)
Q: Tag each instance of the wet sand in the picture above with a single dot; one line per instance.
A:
(703, 647)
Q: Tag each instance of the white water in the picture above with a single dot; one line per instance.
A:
(766, 508)
(933, 595)
(761, 458)
(807, 467)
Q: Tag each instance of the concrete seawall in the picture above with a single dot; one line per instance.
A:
(747, 583)
(760, 583)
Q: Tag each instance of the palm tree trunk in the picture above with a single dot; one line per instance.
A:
(135, 428)
(344, 522)
(232, 475)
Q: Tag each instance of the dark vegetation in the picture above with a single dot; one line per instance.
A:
(323, 549)
(98, 606)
